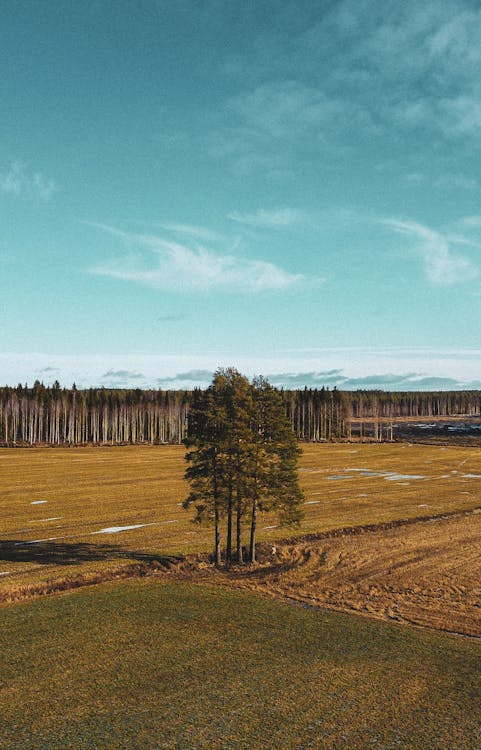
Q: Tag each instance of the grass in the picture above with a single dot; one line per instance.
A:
(88, 489)
(180, 667)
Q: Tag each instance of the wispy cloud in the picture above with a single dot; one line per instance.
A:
(274, 218)
(410, 381)
(471, 222)
(17, 180)
(189, 379)
(284, 109)
(193, 230)
(442, 265)
(419, 62)
(173, 318)
(122, 379)
(172, 266)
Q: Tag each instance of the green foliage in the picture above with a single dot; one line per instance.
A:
(242, 458)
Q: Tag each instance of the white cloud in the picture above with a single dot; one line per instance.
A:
(283, 109)
(19, 181)
(193, 230)
(418, 61)
(442, 266)
(274, 218)
(407, 369)
(172, 266)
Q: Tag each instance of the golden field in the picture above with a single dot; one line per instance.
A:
(62, 510)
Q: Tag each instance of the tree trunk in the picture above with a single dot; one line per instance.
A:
(240, 558)
(229, 527)
(218, 559)
(252, 548)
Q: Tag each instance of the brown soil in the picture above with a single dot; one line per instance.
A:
(426, 573)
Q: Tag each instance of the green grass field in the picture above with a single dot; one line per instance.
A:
(144, 666)
(54, 502)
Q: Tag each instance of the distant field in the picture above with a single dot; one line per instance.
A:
(144, 666)
(62, 511)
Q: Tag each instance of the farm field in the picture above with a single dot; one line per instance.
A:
(87, 511)
(144, 665)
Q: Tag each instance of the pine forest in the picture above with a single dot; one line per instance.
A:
(52, 415)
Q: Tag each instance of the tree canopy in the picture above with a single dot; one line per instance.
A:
(242, 456)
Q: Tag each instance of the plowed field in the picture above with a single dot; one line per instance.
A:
(426, 573)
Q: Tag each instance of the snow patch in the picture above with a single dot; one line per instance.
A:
(312, 502)
(39, 541)
(397, 477)
(40, 520)
(38, 502)
(117, 529)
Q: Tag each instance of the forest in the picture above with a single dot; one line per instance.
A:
(53, 415)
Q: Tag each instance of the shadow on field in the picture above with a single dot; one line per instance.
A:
(57, 553)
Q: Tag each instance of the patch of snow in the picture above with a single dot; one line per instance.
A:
(39, 520)
(270, 527)
(363, 494)
(472, 476)
(312, 502)
(397, 477)
(174, 520)
(423, 505)
(38, 502)
(38, 541)
(369, 472)
(117, 529)
(4, 572)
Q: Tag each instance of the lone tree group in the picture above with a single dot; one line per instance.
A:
(242, 456)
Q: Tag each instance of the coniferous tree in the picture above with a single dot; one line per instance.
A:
(244, 458)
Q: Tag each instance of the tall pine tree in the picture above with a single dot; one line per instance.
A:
(242, 458)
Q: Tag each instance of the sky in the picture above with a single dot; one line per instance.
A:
(289, 188)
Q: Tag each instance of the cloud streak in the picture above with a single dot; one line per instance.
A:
(442, 265)
(274, 218)
(18, 181)
(171, 266)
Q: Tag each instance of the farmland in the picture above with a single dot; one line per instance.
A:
(144, 666)
(191, 658)
(90, 513)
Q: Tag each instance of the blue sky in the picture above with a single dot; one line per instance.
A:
(290, 188)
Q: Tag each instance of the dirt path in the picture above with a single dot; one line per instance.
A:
(425, 573)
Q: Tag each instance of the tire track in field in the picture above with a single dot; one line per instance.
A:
(425, 572)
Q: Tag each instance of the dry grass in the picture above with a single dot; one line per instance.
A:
(425, 573)
(88, 489)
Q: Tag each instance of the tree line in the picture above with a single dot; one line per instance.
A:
(53, 415)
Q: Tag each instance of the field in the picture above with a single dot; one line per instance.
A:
(391, 532)
(148, 666)
(87, 514)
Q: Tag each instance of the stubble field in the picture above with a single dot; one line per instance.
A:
(70, 515)
(391, 532)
